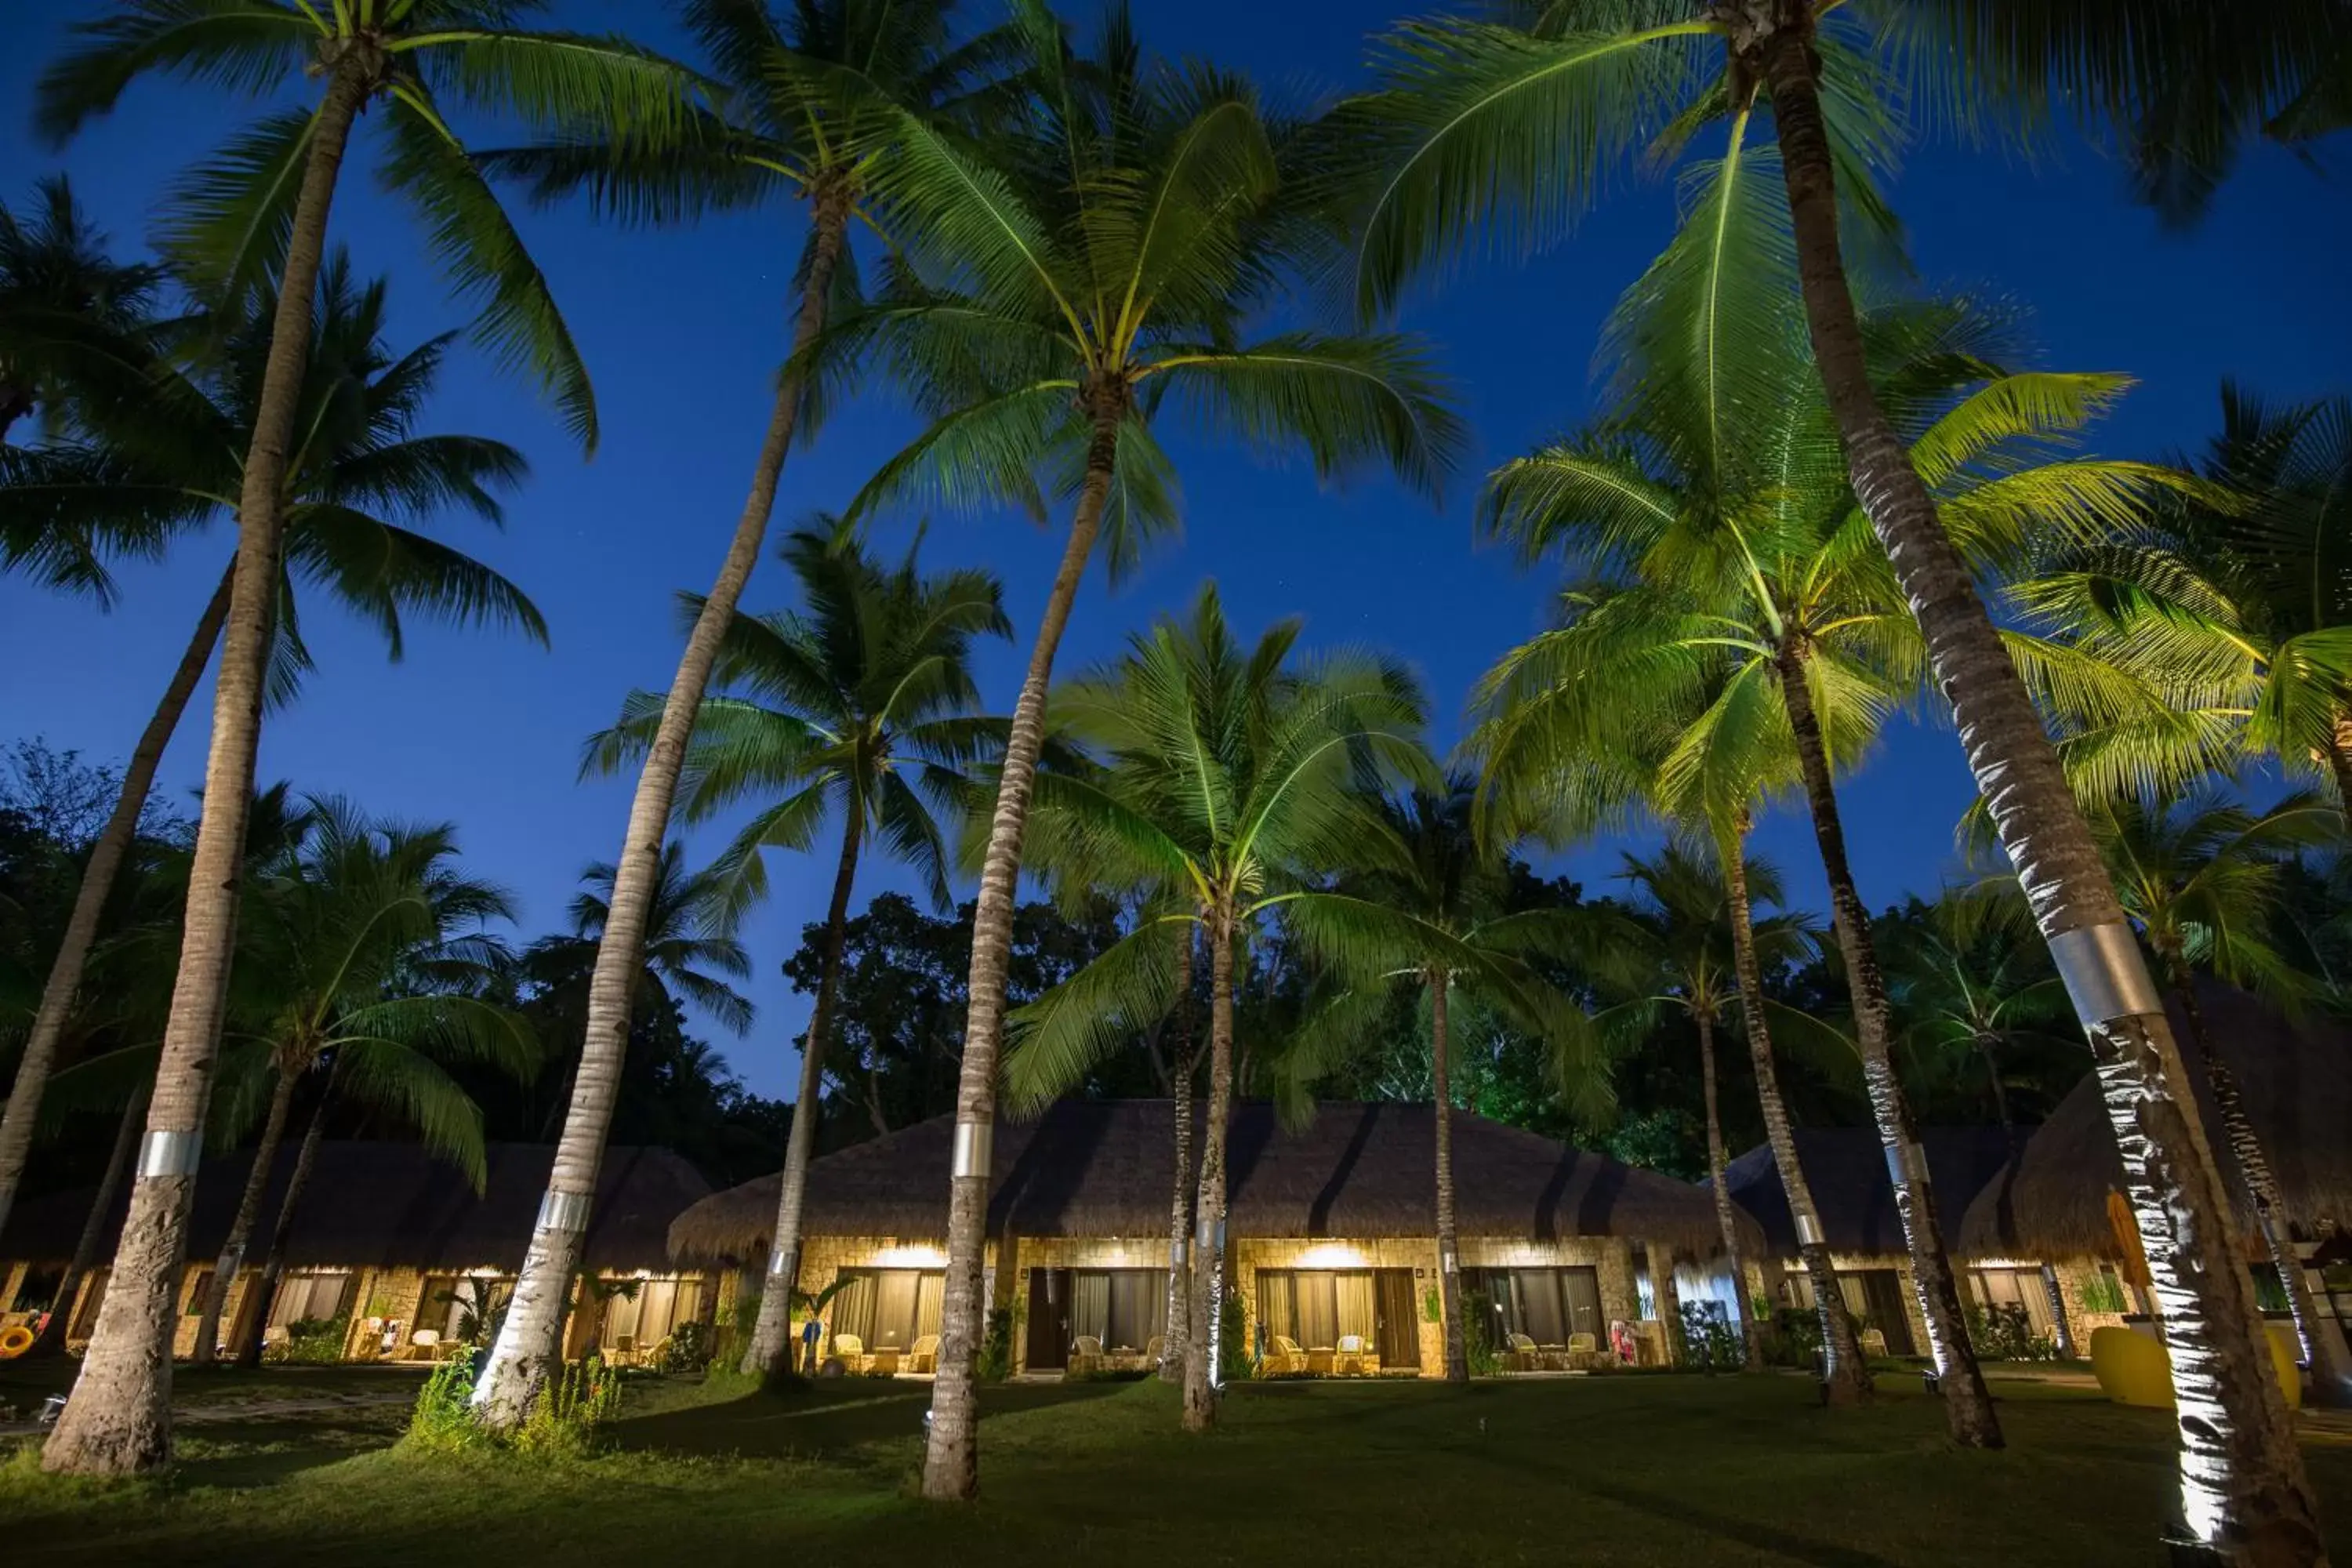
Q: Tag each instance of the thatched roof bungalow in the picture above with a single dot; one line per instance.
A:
(1332, 1232)
(383, 1233)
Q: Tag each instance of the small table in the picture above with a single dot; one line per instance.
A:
(1318, 1364)
(884, 1363)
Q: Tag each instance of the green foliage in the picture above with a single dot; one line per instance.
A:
(315, 1341)
(2003, 1331)
(442, 1421)
(2102, 1291)
(1478, 1346)
(1711, 1341)
(1432, 1306)
(689, 1347)
(573, 1409)
(1236, 1351)
(995, 1364)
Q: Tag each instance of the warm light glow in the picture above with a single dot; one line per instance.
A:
(1331, 1255)
(910, 1258)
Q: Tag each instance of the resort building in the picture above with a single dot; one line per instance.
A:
(2059, 1204)
(392, 1254)
(1846, 1169)
(1330, 1244)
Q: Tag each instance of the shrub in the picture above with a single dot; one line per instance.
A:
(689, 1347)
(1794, 1339)
(444, 1420)
(2004, 1332)
(1483, 1357)
(2103, 1292)
(1236, 1357)
(995, 1362)
(572, 1410)
(1710, 1341)
(313, 1341)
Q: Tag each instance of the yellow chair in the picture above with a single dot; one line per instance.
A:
(1520, 1353)
(923, 1355)
(1285, 1356)
(1354, 1357)
(1874, 1344)
(850, 1351)
(1582, 1349)
(2134, 1368)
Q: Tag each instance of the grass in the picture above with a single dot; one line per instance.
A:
(1626, 1470)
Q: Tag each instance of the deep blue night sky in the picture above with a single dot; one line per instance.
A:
(683, 330)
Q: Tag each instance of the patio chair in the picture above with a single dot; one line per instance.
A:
(1086, 1353)
(1581, 1350)
(1520, 1353)
(624, 1349)
(427, 1340)
(1285, 1357)
(1355, 1357)
(1874, 1345)
(923, 1355)
(850, 1351)
(1155, 1348)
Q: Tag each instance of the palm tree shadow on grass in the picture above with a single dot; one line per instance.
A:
(828, 1422)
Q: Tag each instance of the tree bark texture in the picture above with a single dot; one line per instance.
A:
(1449, 1238)
(770, 1352)
(530, 1341)
(119, 1418)
(951, 1453)
(1179, 1334)
(59, 992)
(1209, 1237)
(1845, 1378)
(1743, 1307)
(231, 1261)
(2245, 1495)
(1968, 1412)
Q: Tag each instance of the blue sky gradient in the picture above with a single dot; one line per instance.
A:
(683, 330)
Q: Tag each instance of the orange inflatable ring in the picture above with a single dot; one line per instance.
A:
(14, 1341)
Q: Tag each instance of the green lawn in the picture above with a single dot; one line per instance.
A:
(1648, 1470)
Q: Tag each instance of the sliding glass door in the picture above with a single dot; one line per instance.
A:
(1548, 1306)
(889, 1308)
(1317, 1307)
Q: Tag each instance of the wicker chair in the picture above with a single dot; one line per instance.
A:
(1283, 1356)
(850, 1351)
(923, 1355)
(425, 1344)
(1874, 1345)
(1087, 1353)
(1582, 1350)
(1520, 1353)
(1355, 1357)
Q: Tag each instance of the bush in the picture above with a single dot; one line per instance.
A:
(1479, 1351)
(1236, 1357)
(444, 1420)
(2004, 1332)
(689, 1347)
(995, 1364)
(572, 1410)
(313, 1341)
(2103, 1292)
(1794, 1339)
(1710, 1338)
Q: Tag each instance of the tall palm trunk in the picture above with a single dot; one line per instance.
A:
(531, 1339)
(2328, 1382)
(1209, 1231)
(770, 1352)
(251, 1323)
(1751, 1333)
(1177, 1333)
(2243, 1491)
(1846, 1380)
(57, 992)
(52, 1339)
(1967, 1403)
(118, 1419)
(231, 1261)
(1449, 1241)
(952, 1456)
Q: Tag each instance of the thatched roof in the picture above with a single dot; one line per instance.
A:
(2296, 1082)
(1846, 1168)
(392, 1205)
(1104, 1169)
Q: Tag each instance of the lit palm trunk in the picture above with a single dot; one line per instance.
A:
(231, 1261)
(1449, 1242)
(1967, 1403)
(1209, 1238)
(1844, 1377)
(2243, 1491)
(117, 1421)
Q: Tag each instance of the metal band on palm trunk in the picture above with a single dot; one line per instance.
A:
(972, 1141)
(2105, 976)
(563, 1211)
(171, 1153)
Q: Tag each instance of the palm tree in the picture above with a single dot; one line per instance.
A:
(241, 223)
(801, 108)
(1972, 983)
(364, 950)
(838, 705)
(1429, 914)
(2227, 604)
(1714, 502)
(1599, 719)
(1668, 951)
(2199, 875)
(73, 321)
(1101, 259)
(1235, 776)
(173, 461)
(690, 955)
(1481, 121)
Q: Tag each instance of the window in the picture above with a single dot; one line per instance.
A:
(463, 1308)
(646, 1321)
(1548, 1305)
(320, 1296)
(889, 1308)
(1123, 1307)
(2018, 1288)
